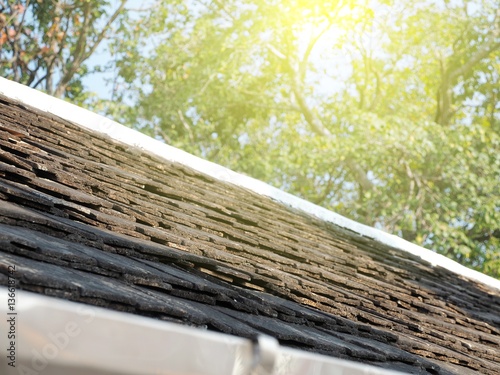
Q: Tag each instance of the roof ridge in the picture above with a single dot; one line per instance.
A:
(98, 123)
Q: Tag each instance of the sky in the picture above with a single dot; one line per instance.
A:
(101, 83)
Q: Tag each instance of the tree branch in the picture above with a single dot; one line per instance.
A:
(451, 74)
(481, 54)
(310, 46)
(315, 122)
(319, 128)
(186, 125)
(221, 6)
(81, 54)
(311, 118)
(102, 34)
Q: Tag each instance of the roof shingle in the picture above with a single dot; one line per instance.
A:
(86, 218)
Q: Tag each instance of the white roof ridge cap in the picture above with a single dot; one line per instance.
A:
(101, 124)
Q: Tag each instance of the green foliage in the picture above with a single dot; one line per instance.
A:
(45, 44)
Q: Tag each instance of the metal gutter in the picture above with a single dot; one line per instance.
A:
(101, 124)
(58, 337)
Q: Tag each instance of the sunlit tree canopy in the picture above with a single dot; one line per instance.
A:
(387, 112)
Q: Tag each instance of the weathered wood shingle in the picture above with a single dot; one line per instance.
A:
(88, 219)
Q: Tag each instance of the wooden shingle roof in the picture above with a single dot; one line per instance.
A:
(89, 219)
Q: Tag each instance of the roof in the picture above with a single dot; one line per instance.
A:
(88, 218)
(100, 341)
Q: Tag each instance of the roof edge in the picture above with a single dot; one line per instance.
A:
(59, 337)
(98, 123)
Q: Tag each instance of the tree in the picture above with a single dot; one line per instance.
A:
(45, 44)
(385, 112)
